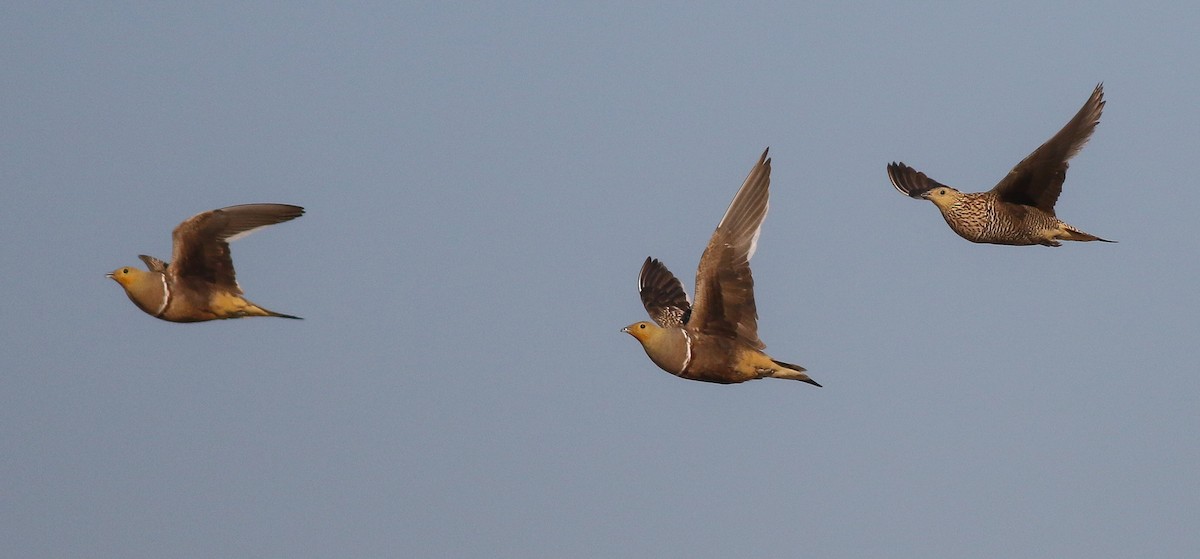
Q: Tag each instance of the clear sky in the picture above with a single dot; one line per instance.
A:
(482, 184)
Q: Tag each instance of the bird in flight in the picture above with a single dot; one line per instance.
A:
(716, 340)
(1020, 209)
(199, 283)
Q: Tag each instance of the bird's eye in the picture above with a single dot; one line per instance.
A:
(642, 326)
(942, 192)
(125, 270)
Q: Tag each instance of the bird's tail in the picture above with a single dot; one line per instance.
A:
(1074, 234)
(233, 305)
(793, 372)
(255, 310)
(281, 315)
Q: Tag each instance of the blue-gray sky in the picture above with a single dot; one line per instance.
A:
(482, 185)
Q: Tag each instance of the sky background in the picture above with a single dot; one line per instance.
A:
(482, 184)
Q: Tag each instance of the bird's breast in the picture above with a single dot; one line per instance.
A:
(151, 293)
(969, 217)
(671, 350)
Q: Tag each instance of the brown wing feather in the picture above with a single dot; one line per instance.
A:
(1037, 180)
(663, 295)
(201, 243)
(909, 181)
(153, 264)
(724, 284)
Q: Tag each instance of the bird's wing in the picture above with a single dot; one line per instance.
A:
(201, 243)
(153, 264)
(663, 295)
(909, 181)
(1037, 180)
(724, 285)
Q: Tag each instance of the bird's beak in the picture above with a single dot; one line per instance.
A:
(625, 329)
(109, 275)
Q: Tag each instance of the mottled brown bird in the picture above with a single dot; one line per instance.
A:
(717, 339)
(199, 283)
(1019, 210)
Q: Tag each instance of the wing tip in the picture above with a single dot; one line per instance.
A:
(903, 178)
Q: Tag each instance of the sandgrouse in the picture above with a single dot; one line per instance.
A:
(717, 339)
(1020, 209)
(199, 283)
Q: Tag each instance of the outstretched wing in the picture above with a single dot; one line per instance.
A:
(153, 264)
(663, 295)
(724, 285)
(909, 181)
(1037, 180)
(201, 243)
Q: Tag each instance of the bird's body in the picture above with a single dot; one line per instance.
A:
(717, 339)
(709, 358)
(200, 283)
(1019, 210)
(985, 218)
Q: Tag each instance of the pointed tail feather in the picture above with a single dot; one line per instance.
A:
(281, 315)
(793, 372)
(259, 311)
(1074, 234)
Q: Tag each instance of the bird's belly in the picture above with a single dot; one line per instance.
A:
(967, 227)
(719, 362)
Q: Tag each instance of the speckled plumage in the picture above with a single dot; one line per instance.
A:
(1019, 210)
(717, 339)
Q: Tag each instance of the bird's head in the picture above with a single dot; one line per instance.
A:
(127, 276)
(669, 348)
(942, 196)
(644, 331)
